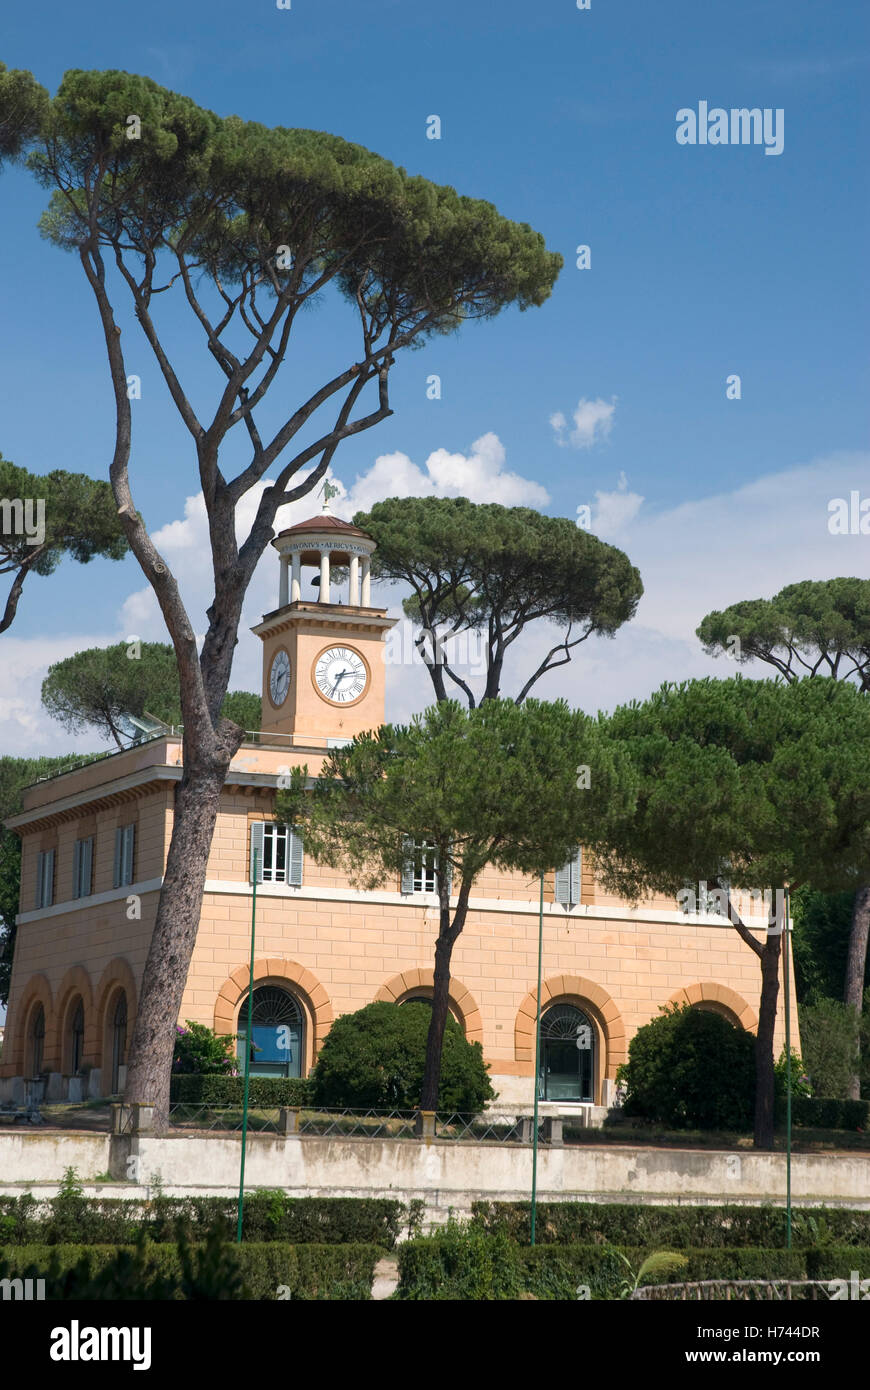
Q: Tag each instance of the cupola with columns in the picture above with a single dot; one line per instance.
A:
(323, 658)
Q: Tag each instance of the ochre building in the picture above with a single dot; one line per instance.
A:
(94, 846)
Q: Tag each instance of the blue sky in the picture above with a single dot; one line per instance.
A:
(706, 261)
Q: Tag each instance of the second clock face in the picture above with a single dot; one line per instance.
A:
(340, 675)
(279, 677)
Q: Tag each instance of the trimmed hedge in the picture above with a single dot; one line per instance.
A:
(453, 1265)
(267, 1216)
(813, 1113)
(253, 1271)
(670, 1228)
(230, 1090)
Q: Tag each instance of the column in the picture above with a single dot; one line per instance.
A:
(366, 582)
(353, 591)
(324, 596)
(295, 577)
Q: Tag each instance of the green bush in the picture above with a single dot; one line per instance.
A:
(267, 1216)
(816, 1113)
(200, 1051)
(829, 1038)
(213, 1270)
(838, 1261)
(691, 1069)
(230, 1090)
(374, 1058)
(670, 1228)
(468, 1264)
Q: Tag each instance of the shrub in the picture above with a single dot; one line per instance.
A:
(672, 1228)
(267, 1216)
(230, 1090)
(829, 1038)
(376, 1056)
(200, 1051)
(817, 1113)
(214, 1269)
(468, 1264)
(691, 1069)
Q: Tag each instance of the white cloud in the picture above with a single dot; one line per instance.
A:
(614, 511)
(593, 421)
(479, 475)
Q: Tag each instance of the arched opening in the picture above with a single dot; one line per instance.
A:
(423, 996)
(76, 1041)
(36, 1041)
(567, 1062)
(119, 1041)
(277, 1032)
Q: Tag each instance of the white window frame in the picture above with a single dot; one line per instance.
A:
(420, 867)
(267, 837)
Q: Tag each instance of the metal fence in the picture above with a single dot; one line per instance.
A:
(741, 1290)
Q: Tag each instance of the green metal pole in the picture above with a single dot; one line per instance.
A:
(248, 1041)
(786, 977)
(537, 1062)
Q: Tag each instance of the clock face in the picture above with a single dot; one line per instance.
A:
(340, 675)
(279, 677)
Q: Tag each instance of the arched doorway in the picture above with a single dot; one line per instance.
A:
(567, 1064)
(119, 1041)
(277, 1032)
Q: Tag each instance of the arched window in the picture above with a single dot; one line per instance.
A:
(77, 1037)
(277, 1032)
(37, 1040)
(119, 1042)
(567, 1070)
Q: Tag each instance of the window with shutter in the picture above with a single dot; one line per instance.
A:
(279, 854)
(567, 881)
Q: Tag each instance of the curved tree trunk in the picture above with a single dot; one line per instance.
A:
(175, 929)
(764, 1058)
(447, 934)
(856, 964)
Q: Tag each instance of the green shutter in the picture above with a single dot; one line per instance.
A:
(48, 889)
(258, 836)
(567, 886)
(40, 878)
(129, 843)
(294, 859)
(77, 868)
(116, 869)
(87, 867)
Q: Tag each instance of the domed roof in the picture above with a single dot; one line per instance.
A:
(324, 522)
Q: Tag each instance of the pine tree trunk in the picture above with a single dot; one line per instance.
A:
(764, 1058)
(447, 934)
(175, 929)
(856, 965)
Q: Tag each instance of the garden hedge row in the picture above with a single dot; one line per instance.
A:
(267, 1216)
(251, 1271)
(671, 1228)
(488, 1268)
(811, 1113)
(230, 1090)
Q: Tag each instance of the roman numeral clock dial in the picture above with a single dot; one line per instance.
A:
(340, 675)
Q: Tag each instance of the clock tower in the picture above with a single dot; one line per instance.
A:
(323, 660)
